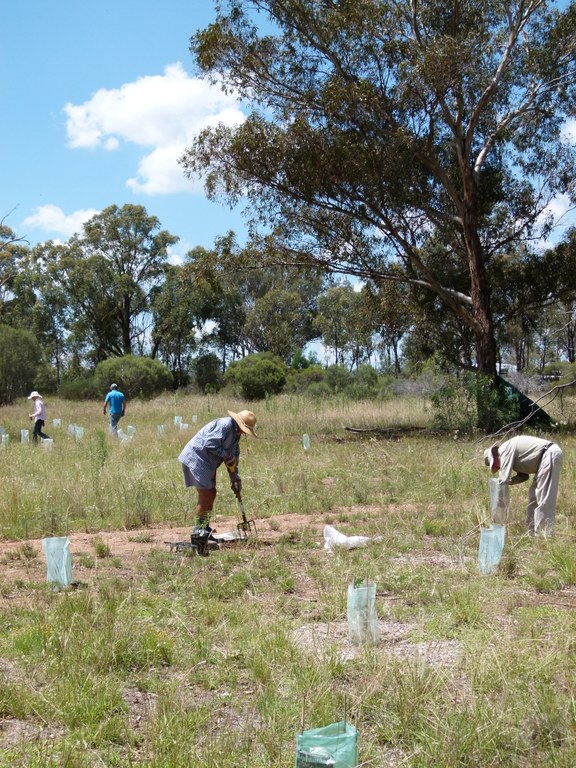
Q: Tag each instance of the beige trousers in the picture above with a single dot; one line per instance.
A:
(543, 493)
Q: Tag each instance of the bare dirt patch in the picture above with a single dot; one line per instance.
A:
(325, 639)
(14, 732)
(23, 562)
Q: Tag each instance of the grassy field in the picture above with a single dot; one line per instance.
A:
(183, 661)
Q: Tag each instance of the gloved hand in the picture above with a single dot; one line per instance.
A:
(231, 465)
(236, 484)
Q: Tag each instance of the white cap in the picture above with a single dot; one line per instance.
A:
(489, 456)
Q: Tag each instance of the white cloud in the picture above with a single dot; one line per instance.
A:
(159, 173)
(176, 253)
(561, 210)
(569, 129)
(51, 218)
(160, 112)
(559, 207)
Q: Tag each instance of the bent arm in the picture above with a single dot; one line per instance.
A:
(520, 477)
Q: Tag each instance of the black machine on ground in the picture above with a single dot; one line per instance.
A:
(204, 540)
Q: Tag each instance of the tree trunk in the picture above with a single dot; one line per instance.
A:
(485, 343)
(519, 354)
(126, 312)
(397, 369)
(571, 339)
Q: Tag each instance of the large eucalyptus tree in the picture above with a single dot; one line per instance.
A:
(376, 123)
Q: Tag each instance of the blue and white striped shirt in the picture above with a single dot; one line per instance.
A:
(215, 442)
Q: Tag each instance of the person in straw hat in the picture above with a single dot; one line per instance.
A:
(38, 416)
(216, 443)
(527, 455)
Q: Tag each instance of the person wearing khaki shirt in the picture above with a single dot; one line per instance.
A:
(526, 455)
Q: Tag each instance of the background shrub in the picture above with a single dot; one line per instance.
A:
(299, 380)
(135, 376)
(80, 389)
(207, 370)
(256, 376)
(338, 378)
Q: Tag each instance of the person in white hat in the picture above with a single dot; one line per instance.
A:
(216, 443)
(527, 455)
(38, 416)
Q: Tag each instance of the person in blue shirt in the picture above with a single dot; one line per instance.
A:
(117, 402)
(216, 443)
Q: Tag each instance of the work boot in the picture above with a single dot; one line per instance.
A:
(199, 538)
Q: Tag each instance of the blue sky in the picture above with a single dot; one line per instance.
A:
(99, 99)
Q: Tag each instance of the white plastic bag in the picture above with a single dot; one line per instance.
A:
(333, 538)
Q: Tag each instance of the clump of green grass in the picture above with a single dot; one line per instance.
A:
(142, 538)
(101, 548)
(85, 560)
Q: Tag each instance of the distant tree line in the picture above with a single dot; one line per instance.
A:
(108, 304)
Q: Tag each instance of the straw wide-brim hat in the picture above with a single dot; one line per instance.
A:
(245, 420)
(33, 394)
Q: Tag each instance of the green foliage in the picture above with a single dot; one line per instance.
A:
(346, 322)
(98, 285)
(79, 389)
(565, 371)
(458, 402)
(135, 376)
(299, 379)
(278, 322)
(257, 376)
(19, 359)
(338, 378)
(401, 82)
(318, 390)
(208, 372)
(101, 548)
(178, 309)
(365, 383)
(46, 380)
(300, 361)
(454, 407)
